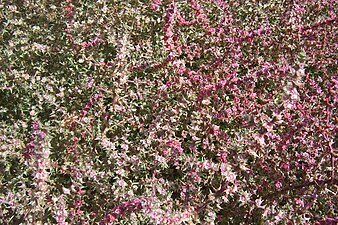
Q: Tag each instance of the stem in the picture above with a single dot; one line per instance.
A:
(299, 186)
(333, 159)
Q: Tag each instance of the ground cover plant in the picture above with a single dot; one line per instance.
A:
(168, 112)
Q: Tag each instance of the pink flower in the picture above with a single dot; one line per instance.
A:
(237, 100)
(177, 220)
(79, 212)
(155, 7)
(125, 147)
(211, 31)
(78, 203)
(176, 146)
(169, 221)
(231, 177)
(279, 185)
(41, 175)
(299, 202)
(181, 70)
(259, 203)
(235, 65)
(111, 218)
(286, 166)
(253, 95)
(207, 165)
(215, 130)
(185, 216)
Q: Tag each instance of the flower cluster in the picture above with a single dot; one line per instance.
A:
(123, 210)
(37, 155)
(61, 211)
(91, 44)
(168, 112)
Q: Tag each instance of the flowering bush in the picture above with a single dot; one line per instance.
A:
(168, 112)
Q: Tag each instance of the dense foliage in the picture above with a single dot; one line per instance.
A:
(168, 112)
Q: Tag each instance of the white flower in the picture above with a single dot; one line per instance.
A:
(259, 203)
(122, 183)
